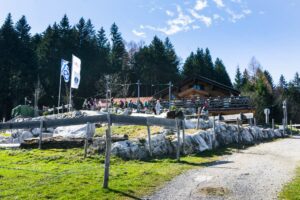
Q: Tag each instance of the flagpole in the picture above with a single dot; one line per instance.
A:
(70, 98)
(59, 91)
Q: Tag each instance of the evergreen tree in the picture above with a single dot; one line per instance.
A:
(221, 73)
(262, 96)
(27, 60)
(296, 80)
(22, 29)
(269, 79)
(246, 84)
(104, 52)
(238, 79)
(118, 51)
(8, 43)
(209, 66)
(189, 68)
(282, 82)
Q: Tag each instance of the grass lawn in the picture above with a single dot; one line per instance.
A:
(133, 131)
(64, 174)
(292, 189)
(5, 134)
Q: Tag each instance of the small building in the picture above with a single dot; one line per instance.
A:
(198, 86)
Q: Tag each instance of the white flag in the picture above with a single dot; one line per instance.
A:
(76, 67)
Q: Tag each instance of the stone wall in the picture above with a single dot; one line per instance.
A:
(165, 144)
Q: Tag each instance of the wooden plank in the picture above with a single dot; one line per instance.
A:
(41, 134)
(149, 140)
(88, 129)
(92, 119)
(178, 141)
(107, 153)
(183, 136)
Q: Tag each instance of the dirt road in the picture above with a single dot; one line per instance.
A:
(258, 172)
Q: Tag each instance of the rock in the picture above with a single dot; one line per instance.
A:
(199, 143)
(25, 135)
(161, 145)
(246, 137)
(96, 145)
(277, 133)
(76, 131)
(129, 150)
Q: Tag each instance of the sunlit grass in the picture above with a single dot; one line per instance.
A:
(64, 174)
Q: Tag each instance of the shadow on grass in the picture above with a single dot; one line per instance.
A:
(123, 193)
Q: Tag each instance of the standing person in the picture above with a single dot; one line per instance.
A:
(157, 107)
(84, 105)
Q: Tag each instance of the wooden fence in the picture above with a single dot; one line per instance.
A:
(109, 119)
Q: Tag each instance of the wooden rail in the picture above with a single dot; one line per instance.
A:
(110, 119)
(118, 119)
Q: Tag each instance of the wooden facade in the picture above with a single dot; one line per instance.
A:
(198, 87)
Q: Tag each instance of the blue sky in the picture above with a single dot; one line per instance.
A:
(234, 30)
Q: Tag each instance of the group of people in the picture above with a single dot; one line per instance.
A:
(97, 104)
(150, 106)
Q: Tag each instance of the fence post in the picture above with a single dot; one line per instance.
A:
(107, 153)
(250, 122)
(41, 134)
(238, 127)
(283, 126)
(291, 127)
(214, 124)
(183, 136)
(198, 118)
(254, 119)
(149, 139)
(178, 141)
(273, 124)
(86, 139)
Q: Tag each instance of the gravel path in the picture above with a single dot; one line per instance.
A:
(258, 172)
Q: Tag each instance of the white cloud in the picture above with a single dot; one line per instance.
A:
(195, 27)
(139, 33)
(218, 17)
(180, 23)
(206, 20)
(234, 17)
(219, 3)
(169, 13)
(247, 12)
(236, 1)
(200, 4)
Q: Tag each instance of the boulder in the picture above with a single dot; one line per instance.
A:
(129, 150)
(76, 131)
(199, 143)
(25, 135)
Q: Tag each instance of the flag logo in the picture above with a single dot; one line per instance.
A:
(76, 68)
(65, 70)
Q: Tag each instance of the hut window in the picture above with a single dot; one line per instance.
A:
(198, 87)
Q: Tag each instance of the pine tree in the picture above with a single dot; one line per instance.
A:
(189, 66)
(208, 65)
(118, 51)
(238, 79)
(221, 73)
(296, 80)
(104, 52)
(8, 43)
(22, 29)
(269, 79)
(282, 82)
(28, 60)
